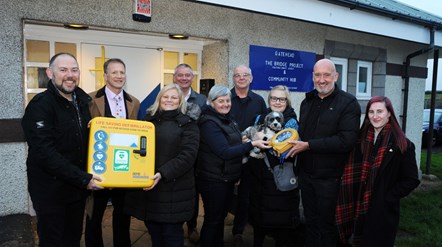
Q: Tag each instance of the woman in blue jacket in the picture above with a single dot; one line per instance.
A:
(219, 163)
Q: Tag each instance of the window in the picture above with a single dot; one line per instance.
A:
(173, 58)
(342, 68)
(42, 42)
(37, 57)
(364, 80)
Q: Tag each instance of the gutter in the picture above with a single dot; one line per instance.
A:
(407, 76)
(395, 15)
(432, 110)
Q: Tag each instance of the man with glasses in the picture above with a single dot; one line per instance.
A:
(328, 126)
(246, 105)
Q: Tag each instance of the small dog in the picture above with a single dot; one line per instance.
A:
(273, 122)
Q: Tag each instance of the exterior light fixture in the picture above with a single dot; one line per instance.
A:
(75, 26)
(178, 36)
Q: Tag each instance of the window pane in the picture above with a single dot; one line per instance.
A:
(195, 83)
(339, 69)
(170, 59)
(363, 74)
(363, 78)
(37, 78)
(192, 60)
(362, 88)
(30, 96)
(168, 79)
(66, 47)
(37, 51)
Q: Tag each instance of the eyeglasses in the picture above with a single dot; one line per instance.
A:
(275, 99)
(241, 75)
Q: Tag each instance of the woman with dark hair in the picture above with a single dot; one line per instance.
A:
(381, 170)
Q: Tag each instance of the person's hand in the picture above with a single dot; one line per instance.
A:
(89, 124)
(299, 146)
(92, 185)
(156, 178)
(261, 144)
(245, 139)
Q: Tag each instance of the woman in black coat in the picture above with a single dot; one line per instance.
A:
(274, 212)
(169, 202)
(381, 170)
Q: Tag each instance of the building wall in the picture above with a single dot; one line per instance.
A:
(238, 29)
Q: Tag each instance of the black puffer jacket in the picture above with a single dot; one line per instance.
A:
(56, 163)
(221, 148)
(270, 207)
(176, 147)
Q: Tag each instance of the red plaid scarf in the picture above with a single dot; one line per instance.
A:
(357, 184)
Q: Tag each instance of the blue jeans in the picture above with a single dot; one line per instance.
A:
(319, 197)
(166, 234)
(217, 198)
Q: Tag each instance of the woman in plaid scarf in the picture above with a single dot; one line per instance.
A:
(381, 170)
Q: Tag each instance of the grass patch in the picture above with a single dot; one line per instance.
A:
(421, 212)
(421, 218)
(436, 163)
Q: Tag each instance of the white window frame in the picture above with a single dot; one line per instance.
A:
(369, 67)
(54, 34)
(181, 52)
(343, 76)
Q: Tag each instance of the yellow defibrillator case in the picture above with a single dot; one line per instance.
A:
(279, 141)
(122, 152)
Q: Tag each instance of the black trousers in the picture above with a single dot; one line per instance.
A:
(319, 197)
(217, 198)
(242, 210)
(59, 224)
(166, 234)
(192, 223)
(120, 221)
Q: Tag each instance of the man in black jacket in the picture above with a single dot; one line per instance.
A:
(55, 126)
(246, 106)
(328, 126)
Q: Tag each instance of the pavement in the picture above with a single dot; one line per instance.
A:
(16, 230)
(20, 230)
(141, 238)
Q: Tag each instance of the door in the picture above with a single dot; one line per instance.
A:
(143, 67)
